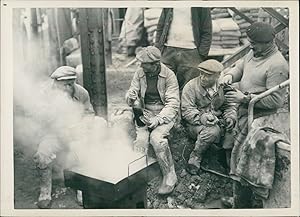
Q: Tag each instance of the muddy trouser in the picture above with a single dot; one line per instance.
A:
(158, 138)
(204, 136)
(45, 158)
(183, 62)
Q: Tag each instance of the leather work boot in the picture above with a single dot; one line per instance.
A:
(44, 201)
(166, 164)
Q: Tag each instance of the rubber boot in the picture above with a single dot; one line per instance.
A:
(165, 161)
(196, 157)
(141, 143)
(44, 201)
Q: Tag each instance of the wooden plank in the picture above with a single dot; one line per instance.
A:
(278, 16)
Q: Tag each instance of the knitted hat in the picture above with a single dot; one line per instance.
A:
(64, 73)
(148, 54)
(211, 66)
(261, 32)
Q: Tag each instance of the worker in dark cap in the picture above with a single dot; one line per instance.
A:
(261, 69)
(154, 89)
(51, 145)
(205, 113)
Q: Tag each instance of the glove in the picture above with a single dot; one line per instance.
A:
(229, 123)
(208, 119)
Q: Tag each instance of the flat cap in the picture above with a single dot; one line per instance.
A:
(64, 73)
(148, 54)
(211, 66)
(261, 32)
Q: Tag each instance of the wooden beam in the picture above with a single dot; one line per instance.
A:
(278, 16)
(93, 57)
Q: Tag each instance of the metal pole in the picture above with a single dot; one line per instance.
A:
(93, 57)
(259, 97)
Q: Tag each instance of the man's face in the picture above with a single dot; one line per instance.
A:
(208, 80)
(150, 67)
(258, 47)
(66, 85)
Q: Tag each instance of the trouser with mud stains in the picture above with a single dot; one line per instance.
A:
(205, 137)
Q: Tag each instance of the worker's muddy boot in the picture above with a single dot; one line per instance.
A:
(141, 143)
(44, 201)
(195, 159)
(164, 158)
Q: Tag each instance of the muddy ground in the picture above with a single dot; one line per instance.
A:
(200, 191)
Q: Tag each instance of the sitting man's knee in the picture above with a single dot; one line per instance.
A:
(158, 140)
(210, 134)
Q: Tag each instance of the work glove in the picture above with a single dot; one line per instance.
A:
(229, 123)
(208, 119)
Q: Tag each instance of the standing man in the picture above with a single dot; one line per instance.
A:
(261, 69)
(154, 88)
(184, 37)
(205, 111)
(52, 145)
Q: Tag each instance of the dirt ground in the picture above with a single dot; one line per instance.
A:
(200, 191)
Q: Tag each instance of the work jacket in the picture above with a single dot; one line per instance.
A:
(167, 87)
(82, 96)
(201, 25)
(196, 101)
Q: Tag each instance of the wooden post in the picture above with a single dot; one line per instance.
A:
(107, 27)
(93, 57)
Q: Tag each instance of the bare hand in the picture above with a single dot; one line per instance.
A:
(235, 96)
(227, 79)
(154, 122)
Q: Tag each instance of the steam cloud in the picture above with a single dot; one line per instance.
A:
(41, 111)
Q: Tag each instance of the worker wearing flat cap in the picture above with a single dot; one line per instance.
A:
(261, 69)
(51, 145)
(64, 79)
(154, 92)
(205, 112)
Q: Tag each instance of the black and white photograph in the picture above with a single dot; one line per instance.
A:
(173, 107)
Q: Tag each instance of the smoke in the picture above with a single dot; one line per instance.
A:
(48, 121)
